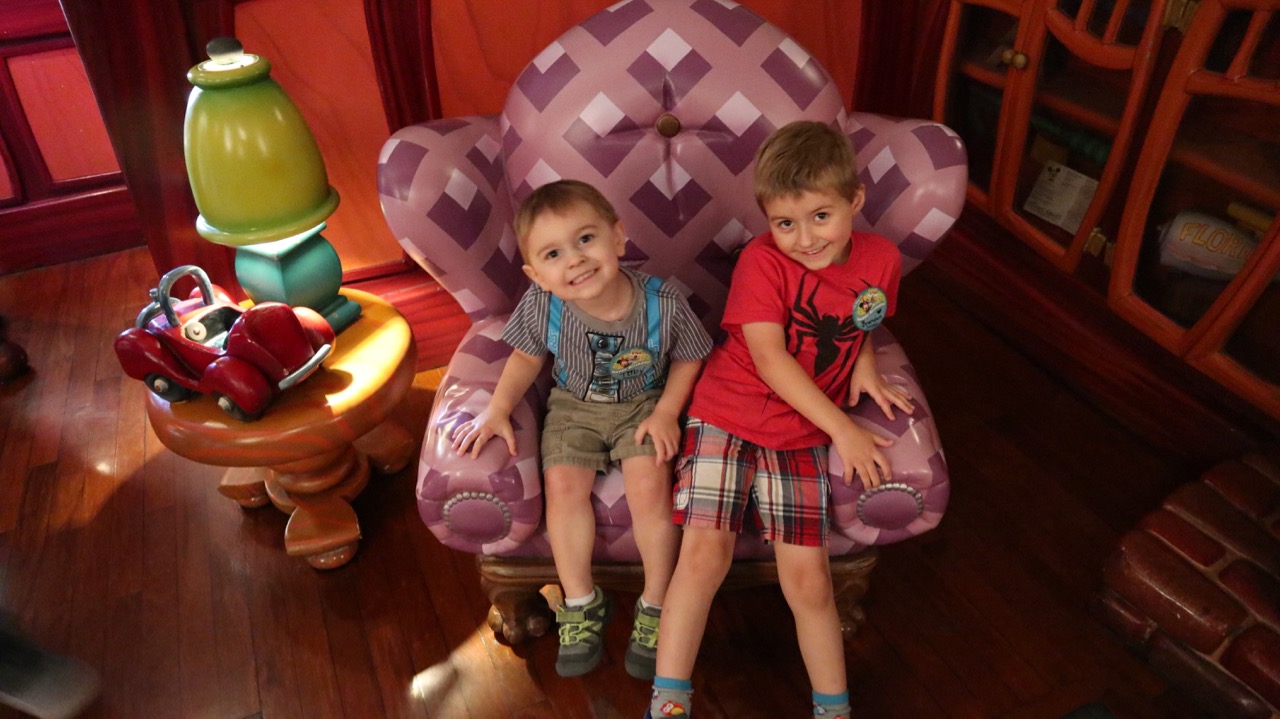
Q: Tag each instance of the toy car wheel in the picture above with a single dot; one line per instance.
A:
(229, 406)
(167, 389)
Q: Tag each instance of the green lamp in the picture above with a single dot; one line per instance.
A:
(260, 185)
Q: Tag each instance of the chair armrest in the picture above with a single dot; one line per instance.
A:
(444, 194)
(916, 173)
(492, 503)
(913, 501)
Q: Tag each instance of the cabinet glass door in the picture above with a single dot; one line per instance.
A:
(1211, 208)
(1198, 256)
(1076, 114)
(977, 57)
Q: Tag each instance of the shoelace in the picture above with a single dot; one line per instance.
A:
(575, 627)
(645, 631)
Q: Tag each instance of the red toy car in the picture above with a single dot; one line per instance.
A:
(208, 344)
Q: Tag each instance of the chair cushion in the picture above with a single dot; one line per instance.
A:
(662, 110)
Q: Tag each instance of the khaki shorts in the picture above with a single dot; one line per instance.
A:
(594, 434)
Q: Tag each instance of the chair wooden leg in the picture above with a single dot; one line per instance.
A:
(850, 578)
(13, 359)
(518, 611)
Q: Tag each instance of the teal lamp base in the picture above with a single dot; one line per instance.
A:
(300, 271)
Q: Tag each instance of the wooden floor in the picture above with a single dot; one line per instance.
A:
(123, 554)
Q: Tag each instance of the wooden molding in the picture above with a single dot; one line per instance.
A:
(67, 229)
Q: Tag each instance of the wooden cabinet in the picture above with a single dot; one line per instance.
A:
(1132, 144)
(1047, 95)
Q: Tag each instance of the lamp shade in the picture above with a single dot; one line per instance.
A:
(255, 170)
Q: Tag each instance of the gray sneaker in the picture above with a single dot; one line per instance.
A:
(642, 651)
(582, 635)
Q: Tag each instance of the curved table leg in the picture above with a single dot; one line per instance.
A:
(317, 494)
(388, 446)
(246, 485)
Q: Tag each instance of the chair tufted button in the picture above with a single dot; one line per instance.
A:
(668, 125)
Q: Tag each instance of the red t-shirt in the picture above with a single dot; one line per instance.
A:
(825, 313)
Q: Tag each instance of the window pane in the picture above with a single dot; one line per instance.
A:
(975, 92)
(1215, 200)
(59, 105)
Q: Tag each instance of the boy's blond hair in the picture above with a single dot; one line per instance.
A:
(805, 156)
(557, 197)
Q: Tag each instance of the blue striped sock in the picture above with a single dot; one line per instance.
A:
(671, 697)
(834, 706)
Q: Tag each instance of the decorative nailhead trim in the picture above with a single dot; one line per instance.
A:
(890, 487)
(485, 496)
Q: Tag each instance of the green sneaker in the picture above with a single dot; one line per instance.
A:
(642, 650)
(582, 635)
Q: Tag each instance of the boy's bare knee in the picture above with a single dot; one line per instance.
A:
(708, 551)
(808, 591)
(650, 501)
(805, 576)
(567, 482)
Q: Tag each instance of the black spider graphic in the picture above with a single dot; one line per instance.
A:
(832, 333)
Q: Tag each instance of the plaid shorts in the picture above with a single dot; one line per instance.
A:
(718, 475)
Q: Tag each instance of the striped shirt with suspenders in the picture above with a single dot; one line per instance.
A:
(606, 371)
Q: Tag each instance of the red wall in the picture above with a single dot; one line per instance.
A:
(478, 55)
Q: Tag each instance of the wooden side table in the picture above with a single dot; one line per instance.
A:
(309, 455)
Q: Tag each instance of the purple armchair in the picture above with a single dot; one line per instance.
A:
(661, 104)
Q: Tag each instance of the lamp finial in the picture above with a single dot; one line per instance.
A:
(224, 50)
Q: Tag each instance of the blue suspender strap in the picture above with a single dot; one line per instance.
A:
(554, 310)
(653, 316)
(653, 328)
(653, 310)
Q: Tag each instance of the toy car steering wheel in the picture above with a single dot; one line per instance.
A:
(162, 302)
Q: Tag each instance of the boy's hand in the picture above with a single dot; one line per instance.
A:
(473, 434)
(866, 379)
(664, 428)
(859, 451)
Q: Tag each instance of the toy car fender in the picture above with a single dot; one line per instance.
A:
(241, 390)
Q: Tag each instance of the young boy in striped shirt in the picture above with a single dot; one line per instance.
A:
(627, 350)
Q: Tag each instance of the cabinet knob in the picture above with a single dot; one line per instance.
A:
(1012, 57)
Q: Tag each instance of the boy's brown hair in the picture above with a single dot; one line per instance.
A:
(805, 156)
(557, 197)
